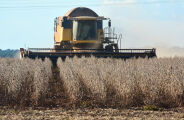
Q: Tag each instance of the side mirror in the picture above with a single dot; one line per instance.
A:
(62, 24)
(109, 23)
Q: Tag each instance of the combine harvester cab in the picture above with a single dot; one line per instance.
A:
(80, 33)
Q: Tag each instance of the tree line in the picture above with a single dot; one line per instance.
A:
(8, 53)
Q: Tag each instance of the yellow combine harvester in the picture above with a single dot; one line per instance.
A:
(79, 33)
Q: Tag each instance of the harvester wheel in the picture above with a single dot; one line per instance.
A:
(109, 48)
(116, 48)
(66, 45)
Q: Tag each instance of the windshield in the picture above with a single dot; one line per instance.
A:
(85, 30)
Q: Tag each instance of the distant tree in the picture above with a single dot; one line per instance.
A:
(8, 53)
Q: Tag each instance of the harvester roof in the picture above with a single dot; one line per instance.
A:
(81, 11)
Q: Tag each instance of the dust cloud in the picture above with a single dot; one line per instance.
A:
(147, 25)
(170, 52)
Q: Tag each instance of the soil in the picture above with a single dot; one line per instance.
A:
(92, 114)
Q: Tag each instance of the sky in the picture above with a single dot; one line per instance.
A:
(143, 23)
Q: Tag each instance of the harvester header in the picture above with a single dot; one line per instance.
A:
(80, 33)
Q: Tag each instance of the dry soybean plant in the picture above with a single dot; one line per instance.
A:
(102, 82)
(23, 81)
(121, 83)
(69, 79)
(91, 78)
